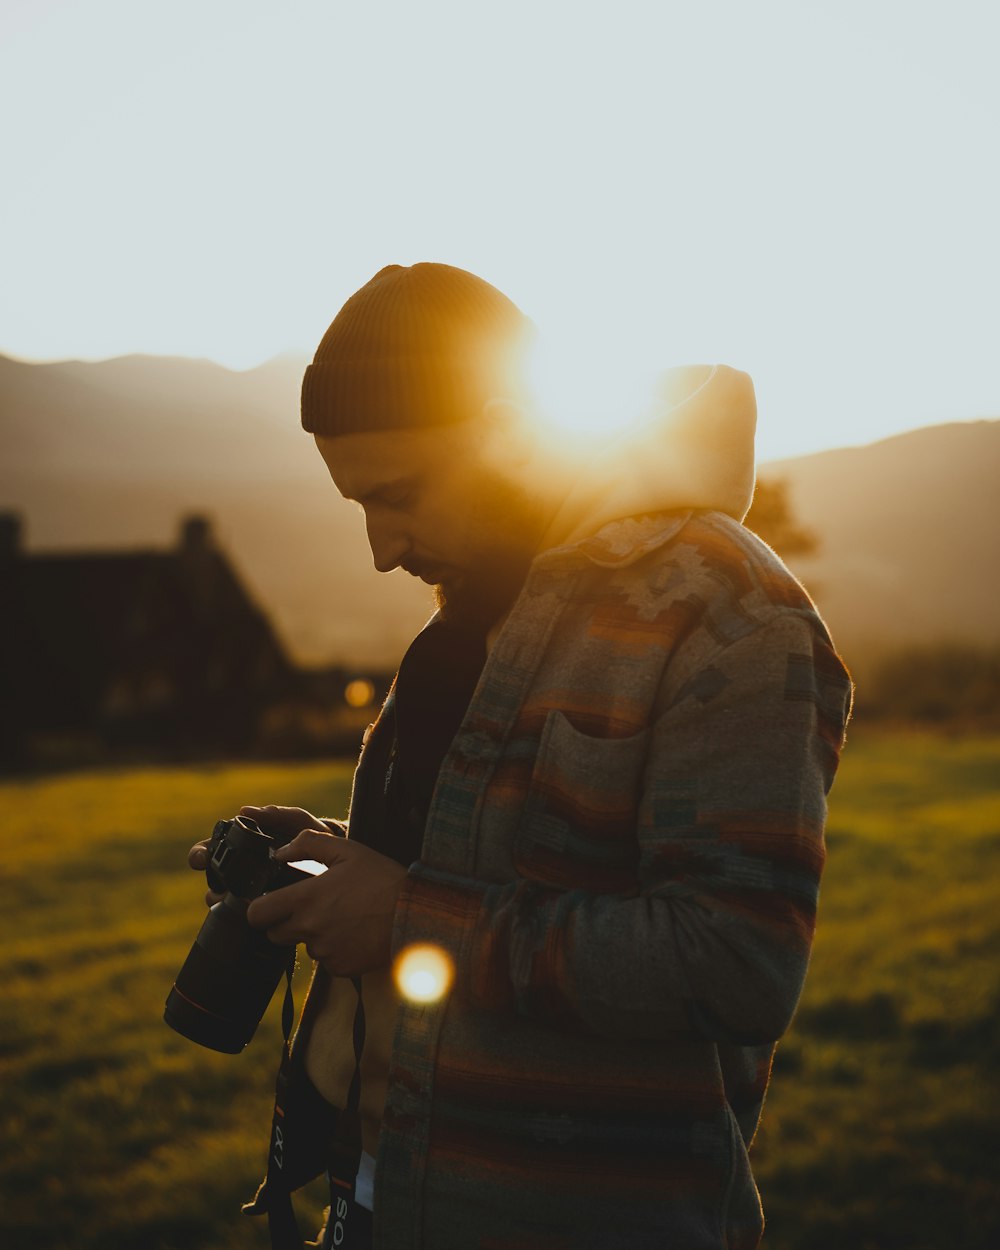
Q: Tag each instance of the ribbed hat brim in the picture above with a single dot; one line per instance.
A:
(352, 396)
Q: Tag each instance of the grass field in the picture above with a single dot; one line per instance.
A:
(880, 1131)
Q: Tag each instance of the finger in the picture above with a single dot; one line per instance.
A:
(271, 818)
(272, 909)
(283, 935)
(281, 822)
(324, 847)
(198, 856)
(211, 898)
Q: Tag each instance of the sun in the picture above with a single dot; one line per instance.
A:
(589, 391)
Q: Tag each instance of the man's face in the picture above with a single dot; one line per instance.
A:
(439, 504)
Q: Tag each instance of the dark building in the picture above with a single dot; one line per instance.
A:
(146, 655)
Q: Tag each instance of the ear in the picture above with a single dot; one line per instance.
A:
(507, 428)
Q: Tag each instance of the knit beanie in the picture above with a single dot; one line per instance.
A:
(416, 346)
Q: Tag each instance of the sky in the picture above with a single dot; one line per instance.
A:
(807, 191)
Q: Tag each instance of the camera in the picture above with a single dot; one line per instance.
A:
(232, 971)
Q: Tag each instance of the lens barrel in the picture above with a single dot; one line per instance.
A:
(227, 980)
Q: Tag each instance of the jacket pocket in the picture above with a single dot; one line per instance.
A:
(578, 827)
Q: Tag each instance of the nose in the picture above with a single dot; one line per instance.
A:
(388, 541)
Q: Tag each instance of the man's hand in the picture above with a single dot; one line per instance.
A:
(344, 916)
(198, 860)
(278, 822)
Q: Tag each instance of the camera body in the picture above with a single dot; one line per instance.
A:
(241, 860)
(232, 970)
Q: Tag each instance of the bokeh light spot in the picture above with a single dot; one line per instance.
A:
(423, 973)
(359, 693)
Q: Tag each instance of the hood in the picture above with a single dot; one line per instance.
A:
(697, 452)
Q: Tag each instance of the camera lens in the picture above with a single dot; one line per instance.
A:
(227, 980)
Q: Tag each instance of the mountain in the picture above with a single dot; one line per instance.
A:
(909, 537)
(111, 454)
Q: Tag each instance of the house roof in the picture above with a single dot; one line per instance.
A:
(76, 627)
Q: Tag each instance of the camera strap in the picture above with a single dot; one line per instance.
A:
(348, 1225)
(308, 1137)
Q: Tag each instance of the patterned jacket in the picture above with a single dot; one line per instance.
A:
(622, 858)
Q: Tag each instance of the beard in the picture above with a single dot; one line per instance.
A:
(479, 599)
(507, 529)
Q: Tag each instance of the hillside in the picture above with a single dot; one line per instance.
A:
(909, 532)
(111, 454)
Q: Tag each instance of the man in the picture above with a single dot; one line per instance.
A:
(598, 785)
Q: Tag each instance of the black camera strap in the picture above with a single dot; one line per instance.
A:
(346, 1218)
(308, 1137)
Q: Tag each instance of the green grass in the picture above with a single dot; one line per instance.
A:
(879, 1132)
(881, 1127)
(116, 1132)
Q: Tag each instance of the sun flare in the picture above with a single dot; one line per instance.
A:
(587, 392)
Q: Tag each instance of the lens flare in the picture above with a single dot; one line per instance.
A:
(423, 973)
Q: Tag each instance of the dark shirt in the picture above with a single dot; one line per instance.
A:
(399, 767)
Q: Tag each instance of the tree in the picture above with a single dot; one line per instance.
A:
(770, 517)
(947, 682)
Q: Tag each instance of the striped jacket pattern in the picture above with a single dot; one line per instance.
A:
(622, 858)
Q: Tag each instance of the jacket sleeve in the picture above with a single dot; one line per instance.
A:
(715, 941)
